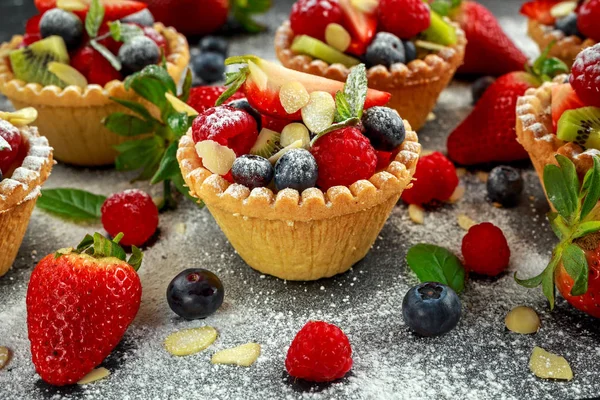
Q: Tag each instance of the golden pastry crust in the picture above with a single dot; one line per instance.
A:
(565, 48)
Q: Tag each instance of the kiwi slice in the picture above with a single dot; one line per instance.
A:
(582, 126)
(440, 31)
(315, 48)
(266, 144)
(30, 63)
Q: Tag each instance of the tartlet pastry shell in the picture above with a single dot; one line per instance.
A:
(301, 236)
(566, 48)
(415, 87)
(19, 193)
(71, 118)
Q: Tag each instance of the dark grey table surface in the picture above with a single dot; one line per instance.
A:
(478, 360)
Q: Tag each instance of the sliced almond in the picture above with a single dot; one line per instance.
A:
(465, 222)
(416, 214)
(483, 176)
(458, 194)
(216, 158)
(190, 341)
(366, 6)
(319, 113)
(523, 320)
(22, 117)
(275, 157)
(563, 9)
(71, 5)
(293, 132)
(180, 106)
(5, 355)
(337, 37)
(244, 355)
(549, 366)
(96, 375)
(293, 96)
(460, 172)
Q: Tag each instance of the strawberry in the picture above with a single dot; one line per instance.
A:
(80, 302)
(489, 51)
(488, 133)
(33, 24)
(261, 81)
(204, 97)
(361, 25)
(113, 9)
(564, 98)
(587, 19)
(539, 10)
(311, 18)
(190, 17)
(97, 69)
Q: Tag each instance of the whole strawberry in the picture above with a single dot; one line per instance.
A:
(80, 302)
(190, 17)
(320, 352)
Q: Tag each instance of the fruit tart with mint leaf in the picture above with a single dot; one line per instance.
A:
(25, 164)
(559, 126)
(571, 25)
(73, 61)
(308, 201)
(410, 50)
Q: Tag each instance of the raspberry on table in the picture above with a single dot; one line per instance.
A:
(204, 97)
(133, 213)
(587, 19)
(435, 179)
(404, 18)
(585, 75)
(485, 250)
(10, 143)
(344, 157)
(320, 352)
(311, 17)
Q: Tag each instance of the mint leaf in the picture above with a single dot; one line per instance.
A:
(107, 248)
(355, 89)
(344, 124)
(73, 204)
(168, 165)
(436, 264)
(136, 258)
(343, 111)
(94, 18)
(106, 53)
(559, 191)
(124, 32)
(127, 125)
(591, 188)
(576, 265)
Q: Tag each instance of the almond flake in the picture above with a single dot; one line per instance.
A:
(96, 375)
(293, 96)
(216, 158)
(319, 113)
(549, 366)
(465, 222)
(458, 194)
(523, 320)
(460, 172)
(181, 106)
(416, 214)
(190, 341)
(483, 176)
(337, 37)
(244, 355)
(366, 6)
(5, 354)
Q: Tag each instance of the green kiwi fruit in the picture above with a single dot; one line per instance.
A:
(30, 64)
(267, 143)
(315, 48)
(440, 31)
(582, 126)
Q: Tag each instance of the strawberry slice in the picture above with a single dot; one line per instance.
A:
(32, 26)
(564, 98)
(361, 25)
(264, 79)
(113, 9)
(539, 10)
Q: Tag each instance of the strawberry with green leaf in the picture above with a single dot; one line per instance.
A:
(575, 264)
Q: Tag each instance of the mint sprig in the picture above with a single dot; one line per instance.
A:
(99, 246)
(572, 220)
(546, 68)
(73, 204)
(94, 18)
(436, 264)
(124, 32)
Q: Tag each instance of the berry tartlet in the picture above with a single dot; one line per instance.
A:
(307, 202)
(566, 26)
(25, 164)
(70, 68)
(410, 50)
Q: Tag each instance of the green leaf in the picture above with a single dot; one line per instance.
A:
(155, 73)
(244, 9)
(187, 86)
(85, 244)
(106, 53)
(94, 18)
(136, 258)
(558, 225)
(134, 154)
(236, 80)
(355, 89)
(343, 111)
(570, 174)
(548, 286)
(344, 124)
(124, 32)
(559, 192)
(179, 124)
(168, 165)
(104, 247)
(441, 7)
(127, 125)
(179, 183)
(586, 228)
(72, 204)
(436, 264)
(591, 188)
(576, 266)
(137, 108)
(531, 282)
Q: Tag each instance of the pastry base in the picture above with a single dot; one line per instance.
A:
(13, 225)
(414, 87)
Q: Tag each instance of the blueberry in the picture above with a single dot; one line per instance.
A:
(431, 309)
(504, 186)
(386, 49)
(296, 169)
(214, 44)
(252, 171)
(210, 67)
(410, 51)
(195, 293)
(64, 24)
(384, 128)
(480, 86)
(242, 104)
(143, 18)
(138, 53)
(568, 25)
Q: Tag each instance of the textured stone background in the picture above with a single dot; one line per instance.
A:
(478, 360)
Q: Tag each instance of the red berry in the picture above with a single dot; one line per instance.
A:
(485, 250)
(109, 42)
(344, 157)
(404, 18)
(227, 126)
(435, 179)
(320, 352)
(33, 24)
(30, 38)
(157, 38)
(587, 19)
(10, 142)
(205, 97)
(81, 60)
(101, 71)
(384, 158)
(311, 17)
(585, 75)
(274, 124)
(133, 213)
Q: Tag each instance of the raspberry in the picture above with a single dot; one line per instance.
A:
(384, 158)
(227, 126)
(81, 60)
(33, 24)
(404, 18)
(133, 213)
(344, 157)
(485, 250)
(274, 124)
(320, 352)
(205, 97)
(587, 19)
(436, 179)
(10, 142)
(585, 75)
(101, 71)
(311, 17)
